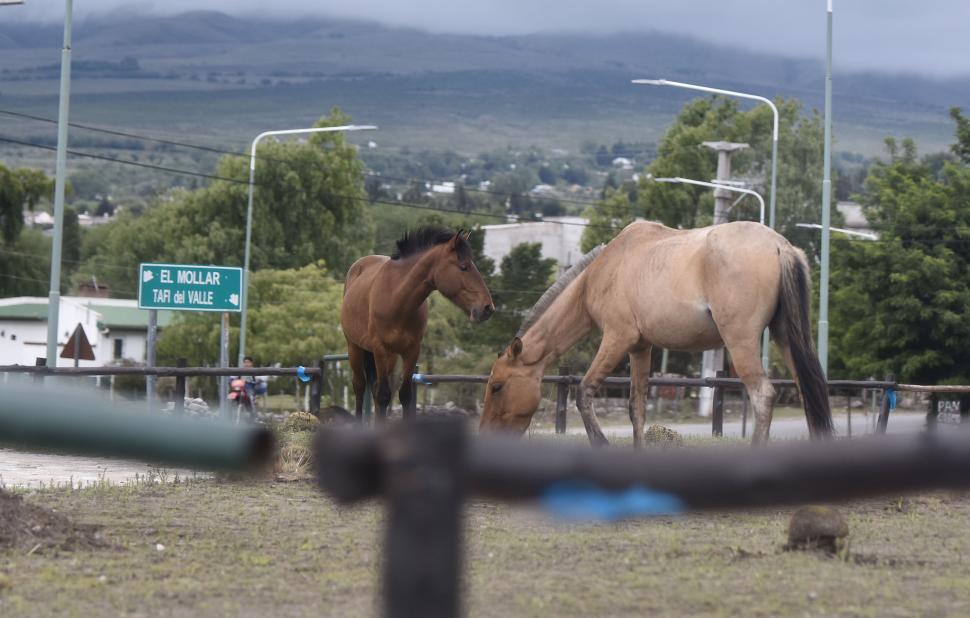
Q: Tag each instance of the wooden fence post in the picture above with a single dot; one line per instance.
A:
(425, 486)
(848, 413)
(883, 421)
(562, 400)
(316, 389)
(717, 413)
(744, 412)
(180, 388)
(932, 412)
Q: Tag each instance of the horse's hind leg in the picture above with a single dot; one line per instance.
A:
(639, 387)
(746, 356)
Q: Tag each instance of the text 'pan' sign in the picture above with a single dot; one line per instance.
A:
(189, 287)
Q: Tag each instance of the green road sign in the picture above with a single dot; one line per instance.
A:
(189, 287)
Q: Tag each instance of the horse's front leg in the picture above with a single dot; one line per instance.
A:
(384, 362)
(407, 394)
(611, 351)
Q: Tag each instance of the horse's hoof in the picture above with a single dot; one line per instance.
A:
(599, 440)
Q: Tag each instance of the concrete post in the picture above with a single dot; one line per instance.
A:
(713, 360)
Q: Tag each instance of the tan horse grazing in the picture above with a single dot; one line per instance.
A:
(685, 290)
(384, 311)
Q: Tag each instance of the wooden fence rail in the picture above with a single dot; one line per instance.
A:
(426, 471)
(317, 374)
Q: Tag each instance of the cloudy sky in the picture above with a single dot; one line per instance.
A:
(895, 35)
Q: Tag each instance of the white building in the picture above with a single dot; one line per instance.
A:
(115, 328)
(560, 237)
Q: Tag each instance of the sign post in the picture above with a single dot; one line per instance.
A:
(78, 347)
(224, 362)
(150, 357)
(189, 287)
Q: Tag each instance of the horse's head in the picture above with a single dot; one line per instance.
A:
(512, 393)
(456, 276)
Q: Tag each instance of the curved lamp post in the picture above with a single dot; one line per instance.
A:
(816, 226)
(718, 185)
(249, 214)
(742, 95)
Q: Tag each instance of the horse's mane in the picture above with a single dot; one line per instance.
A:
(556, 289)
(422, 239)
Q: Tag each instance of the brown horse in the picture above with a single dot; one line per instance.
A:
(384, 313)
(686, 290)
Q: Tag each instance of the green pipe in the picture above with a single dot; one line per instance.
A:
(75, 421)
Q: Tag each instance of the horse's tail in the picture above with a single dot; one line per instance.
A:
(370, 369)
(791, 326)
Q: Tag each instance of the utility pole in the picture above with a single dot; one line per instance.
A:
(713, 360)
(54, 296)
(823, 285)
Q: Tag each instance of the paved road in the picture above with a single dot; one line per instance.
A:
(18, 469)
(787, 428)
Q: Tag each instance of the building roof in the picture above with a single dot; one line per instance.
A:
(114, 316)
(24, 311)
(115, 313)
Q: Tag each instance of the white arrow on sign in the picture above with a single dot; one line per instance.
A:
(147, 276)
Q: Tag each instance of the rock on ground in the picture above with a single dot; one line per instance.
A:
(662, 436)
(817, 527)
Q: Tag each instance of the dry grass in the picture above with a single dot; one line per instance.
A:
(284, 549)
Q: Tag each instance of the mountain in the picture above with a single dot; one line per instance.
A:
(207, 73)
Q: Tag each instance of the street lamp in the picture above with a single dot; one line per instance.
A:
(842, 230)
(249, 213)
(761, 200)
(54, 294)
(718, 185)
(742, 95)
(823, 285)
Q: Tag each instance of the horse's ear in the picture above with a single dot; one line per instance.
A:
(515, 348)
(465, 234)
(455, 241)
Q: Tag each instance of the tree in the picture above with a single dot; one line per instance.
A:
(523, 277)
(603, 157)
(24, 254)
(899, 304)
(962, 147)
(680, 154)
(11, 205)
(309, 204)
(293, 319)
(546, 175)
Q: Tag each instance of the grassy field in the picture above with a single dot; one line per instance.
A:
(257, 548)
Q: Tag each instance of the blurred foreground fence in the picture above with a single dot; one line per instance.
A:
(427, 470)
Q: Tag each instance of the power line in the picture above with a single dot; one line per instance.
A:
(146, 138)
(332, 195)
(274, 160)
(76, 153)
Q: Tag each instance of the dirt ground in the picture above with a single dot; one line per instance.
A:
(210, 547)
